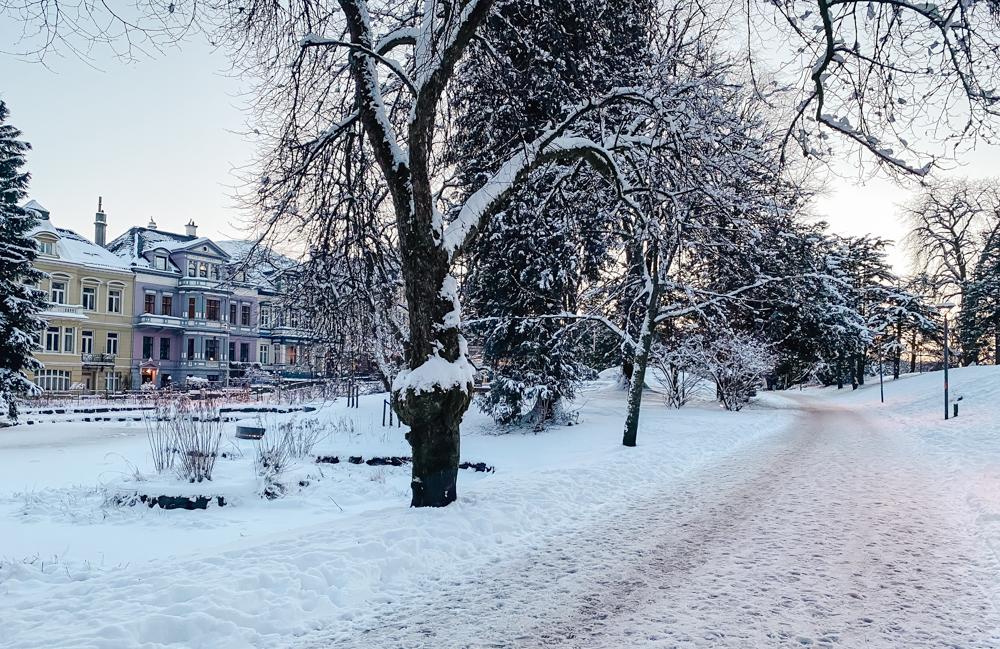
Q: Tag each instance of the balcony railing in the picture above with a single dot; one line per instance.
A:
(201, 324)
(205, 283)
(154, 320)
(74, 310)
(98, 359)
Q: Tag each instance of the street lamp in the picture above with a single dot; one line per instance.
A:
(944, 307)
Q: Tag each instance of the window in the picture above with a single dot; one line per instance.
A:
(89, 298)
(167, 305)
(232, 313)
(265, 317)
(212, 349)
(293, 354)
(52, 339)
(190, 349)
(46, 247)
(113, 381)
(192, 268)
(293, 318)
(114, 300)
(202, 269)
(112, 345)
(149, 303)
(191, 304)
(264, 349)
(69, 339)
(232, 351)
(161, 262)
(244, 352)
(58, 292)
(215, 271)
(52, 379)
(164, 349)
(245, 315)
(147, 346)
(87, 342)
(212, 309)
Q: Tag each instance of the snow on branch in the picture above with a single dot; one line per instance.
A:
(551, 145)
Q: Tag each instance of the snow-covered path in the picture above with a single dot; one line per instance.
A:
(833, 533)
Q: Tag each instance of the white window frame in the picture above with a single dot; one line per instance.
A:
(87, 342)
(69, 339)
(264, 349)
(115, 299)
(58, 295)
(108, 347)
(53, 337)
(91, 292)
(160, 263)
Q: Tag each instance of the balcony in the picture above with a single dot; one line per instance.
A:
(98, 360)
(158, 321)
(55, 310)
(286, 333)
(201, 363)
(204, 283)
(200, 325)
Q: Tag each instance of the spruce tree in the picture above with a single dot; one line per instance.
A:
(19, 302)
(535, 258)
(979, 319)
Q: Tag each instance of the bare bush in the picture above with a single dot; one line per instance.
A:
(197, 433)
(272, 458)
(302, 436)
(160, 435)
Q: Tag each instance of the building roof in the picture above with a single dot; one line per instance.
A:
(259, 262)
(70, 247)
(135, 242)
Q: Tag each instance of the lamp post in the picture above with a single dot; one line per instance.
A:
(944, 308)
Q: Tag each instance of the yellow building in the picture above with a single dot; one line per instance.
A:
(87, 343)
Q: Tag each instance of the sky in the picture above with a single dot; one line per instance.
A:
(160, 139)
(156, 139)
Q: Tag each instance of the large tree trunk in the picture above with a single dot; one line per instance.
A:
(433, 412)
(643, 346)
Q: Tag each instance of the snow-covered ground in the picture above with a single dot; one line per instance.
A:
(815, 518)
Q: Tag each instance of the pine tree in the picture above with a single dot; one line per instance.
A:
(979, 318)
(547, 244)
(19, 302)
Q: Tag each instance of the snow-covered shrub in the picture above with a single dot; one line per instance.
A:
(272, 458)
(737, 362)
(679, 371)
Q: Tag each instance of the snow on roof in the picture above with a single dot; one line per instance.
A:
(75, 249)
(44, 225)
(35, 206)
(260, 262)
(135, 242)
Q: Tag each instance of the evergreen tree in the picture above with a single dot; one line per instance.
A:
(979, 318)
(539, 253)
(19, 303)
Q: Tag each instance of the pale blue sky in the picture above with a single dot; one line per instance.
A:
(161, 137)
(158, 138)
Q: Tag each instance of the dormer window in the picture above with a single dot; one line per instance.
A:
(46, 247)
(161, 262)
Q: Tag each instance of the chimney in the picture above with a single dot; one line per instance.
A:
(152, 224)
(191, 229)
(100, 224)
